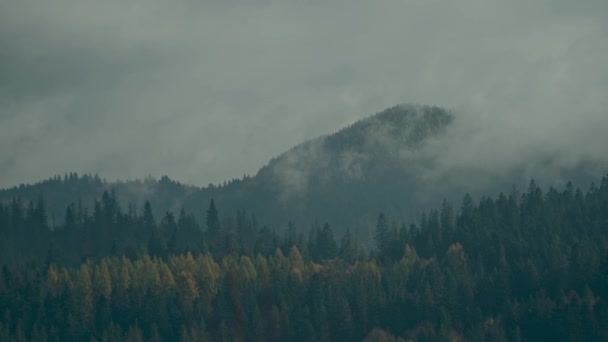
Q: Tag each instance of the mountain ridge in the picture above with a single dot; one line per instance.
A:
(384, 162)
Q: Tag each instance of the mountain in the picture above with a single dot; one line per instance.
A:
(361, 169)
(389, 162)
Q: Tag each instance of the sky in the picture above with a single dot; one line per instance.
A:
(205, 91)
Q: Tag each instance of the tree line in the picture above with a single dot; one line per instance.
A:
(521, 266)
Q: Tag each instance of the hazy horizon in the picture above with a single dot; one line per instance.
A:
(206, 92)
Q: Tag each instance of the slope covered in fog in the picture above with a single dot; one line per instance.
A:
(399, 161)
(359, 170)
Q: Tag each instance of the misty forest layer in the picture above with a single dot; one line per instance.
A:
(303, 170)
(299, 251)
(529, 266)
(392, 162)
(306, 181)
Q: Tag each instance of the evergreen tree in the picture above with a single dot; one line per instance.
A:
(381, 237)
(213, 220)
(327, 248)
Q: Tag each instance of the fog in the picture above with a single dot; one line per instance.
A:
(208, 91)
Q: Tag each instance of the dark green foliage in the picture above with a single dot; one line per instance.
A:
(382, 237)
(519, 267)
(213, 220)
(327, 248)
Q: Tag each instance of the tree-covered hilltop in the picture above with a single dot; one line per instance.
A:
(360, 166)
(530, 266)
(393, 161)
(60, 192)
(389, 162)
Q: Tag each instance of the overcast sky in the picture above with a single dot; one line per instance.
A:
(205, 91)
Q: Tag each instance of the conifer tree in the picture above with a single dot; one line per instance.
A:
(381, 237)
(213, 220)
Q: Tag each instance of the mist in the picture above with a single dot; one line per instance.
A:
(210, 91)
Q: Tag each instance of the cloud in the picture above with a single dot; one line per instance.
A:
(206, 91)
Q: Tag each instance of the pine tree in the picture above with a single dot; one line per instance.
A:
(327, 246)
(82, 302)
(187, 290)
(381, 236)
(102, 281)
(148, 222)
(213, 220)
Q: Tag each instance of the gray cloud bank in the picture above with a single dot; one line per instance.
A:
(208, 90)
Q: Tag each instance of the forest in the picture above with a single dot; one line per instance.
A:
(529, 266)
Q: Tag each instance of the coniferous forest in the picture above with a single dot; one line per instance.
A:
(303, 171)
(529, 266)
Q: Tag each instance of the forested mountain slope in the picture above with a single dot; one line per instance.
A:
(519, 267)
(391, 162)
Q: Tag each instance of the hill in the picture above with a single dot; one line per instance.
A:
(390, 161)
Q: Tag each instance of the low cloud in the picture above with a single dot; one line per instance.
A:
(207, 91)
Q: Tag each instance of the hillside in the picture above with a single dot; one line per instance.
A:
(528, 267)
(390, 162)
(349, 169)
